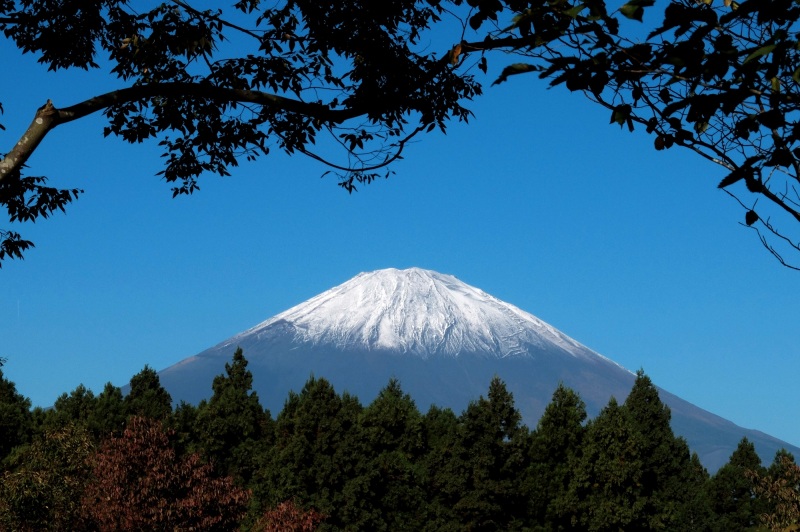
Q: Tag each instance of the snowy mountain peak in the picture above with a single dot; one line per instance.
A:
(418, 312)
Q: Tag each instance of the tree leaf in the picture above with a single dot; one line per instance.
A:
(764, 50)
(635, 9)
(512, 70)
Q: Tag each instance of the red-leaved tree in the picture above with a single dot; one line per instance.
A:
(141, 484)
(288, 517)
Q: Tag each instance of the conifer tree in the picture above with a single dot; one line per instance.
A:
(75, 407)
(666, 460)
(109, 414)
(312, 459)
(184, 422)
(103, 414)
(16, 421)
(696, 512)
(555, 446)
(232, 426)
(731, 491)
(491, 458)
(605, 489)
(387, 491)
(147, 397)
(442, 461)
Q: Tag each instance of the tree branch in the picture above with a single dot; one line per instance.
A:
(48, 116)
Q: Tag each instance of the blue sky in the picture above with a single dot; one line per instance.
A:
(538, 201)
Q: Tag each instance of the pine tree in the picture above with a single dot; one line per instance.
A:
(232, 427)
(555, 446)
(109, 414)
(696, 513)
(387, 491)
(667, 472)
(75, 407)
(16, 421)
(442, 462)
(491, 457)
(605, 489)
(312, 458)
(731, 490)
(147, 397)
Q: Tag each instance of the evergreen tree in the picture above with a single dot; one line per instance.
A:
(109, 414)
(696, 513)
(103, 414)
(667, 472)
(75, 407)
(232, 427)
(491, 457)
(442, 462)
(312, 459)
(555, 446)
(183, 422)
(731, 491)
(387, 491)
(147, 397)
(605, 489)
(16, 421)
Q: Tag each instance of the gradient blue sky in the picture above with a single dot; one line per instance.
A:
(538, 201)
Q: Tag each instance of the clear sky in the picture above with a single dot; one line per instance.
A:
(538, 201)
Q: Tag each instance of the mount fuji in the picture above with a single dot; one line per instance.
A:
(444, 340)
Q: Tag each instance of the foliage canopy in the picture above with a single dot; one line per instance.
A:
(212, 87)
(329, 463)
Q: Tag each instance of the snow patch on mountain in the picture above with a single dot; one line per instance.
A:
(419, 312)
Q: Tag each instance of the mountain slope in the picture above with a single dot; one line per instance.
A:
(444, 340)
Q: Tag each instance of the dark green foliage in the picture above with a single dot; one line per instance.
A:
(666, 460)
(78, 406)
(633, 473)
(16, 420)
(101, 415)
(312, 458)
(147, 398)
(387, 491)
(554, 449)
(232, 427)
(183, 422)
(108, 417)
(490, 457)
(328, 461)
(442, 462)
(696, 513)
(731, 491)
(606, 487)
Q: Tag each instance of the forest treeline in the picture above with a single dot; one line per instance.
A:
(114, 462)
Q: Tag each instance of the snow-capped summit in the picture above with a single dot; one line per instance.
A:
(418, 312)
